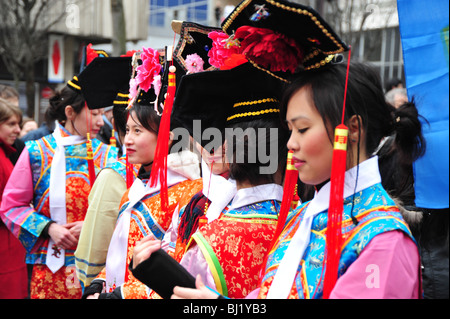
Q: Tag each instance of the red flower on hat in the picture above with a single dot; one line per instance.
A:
(129, 53)
(150, 67)
(223, 47)
(91, 54)
(269, 49)
(233, 61)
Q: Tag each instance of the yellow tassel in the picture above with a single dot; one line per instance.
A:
(90, 152)
(112, 140)
(295, 199)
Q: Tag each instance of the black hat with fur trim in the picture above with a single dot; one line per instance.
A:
(297, 35)
(103, 78)
(222, 98)
(193, 40)
(89, 55)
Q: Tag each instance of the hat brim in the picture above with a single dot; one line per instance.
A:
(212, 98)
(301, 23)
(103, 78)
(194, 39)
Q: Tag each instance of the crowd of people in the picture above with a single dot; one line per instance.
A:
(250, 161)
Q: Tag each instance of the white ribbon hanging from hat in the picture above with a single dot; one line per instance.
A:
(56, 255)
(117, 252)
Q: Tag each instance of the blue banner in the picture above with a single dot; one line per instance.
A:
(424, 29)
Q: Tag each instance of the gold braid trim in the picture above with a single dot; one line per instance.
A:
(253, 113)
(256, 102)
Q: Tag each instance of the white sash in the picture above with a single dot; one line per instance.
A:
(369, 175)
(116, 260)
(219, 190)
(57, 190)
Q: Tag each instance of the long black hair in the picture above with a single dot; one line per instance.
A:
(365, 98)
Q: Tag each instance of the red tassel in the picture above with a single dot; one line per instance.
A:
(129, 172)
(90, 159)
(336, 206)
(289, 191)
(335, 211)
(162, 147)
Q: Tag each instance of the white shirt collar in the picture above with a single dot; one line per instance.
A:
(368, 175)
(252, 195)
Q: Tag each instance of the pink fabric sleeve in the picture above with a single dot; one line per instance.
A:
(16, 209)
(196, 264)
(387, 268)
(170, 238)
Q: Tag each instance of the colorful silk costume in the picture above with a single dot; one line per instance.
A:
(376, 213)
(204, 207)
(230, 250)
(142, 216)
(26, 207)
(101, 217)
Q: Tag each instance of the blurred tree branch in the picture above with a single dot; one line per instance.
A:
(24, 28)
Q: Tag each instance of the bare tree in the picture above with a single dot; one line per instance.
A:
(350, 18)
(24, 27)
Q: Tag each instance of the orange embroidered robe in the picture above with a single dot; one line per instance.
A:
(147, 218)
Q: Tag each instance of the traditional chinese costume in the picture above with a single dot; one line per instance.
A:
(26, 206)
(379, 258)
(141, 215)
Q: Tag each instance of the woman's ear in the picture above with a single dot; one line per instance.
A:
(70, 113)
(171, 137)
(355, 129)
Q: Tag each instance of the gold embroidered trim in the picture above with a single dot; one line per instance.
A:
(267, 71)
(321, 63)
(253, 113)
(256, 102)
(73, 84)
(121, 102)
(244, 4)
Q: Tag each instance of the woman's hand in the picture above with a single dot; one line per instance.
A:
(144, 248)
(200, 291)
(74, 228)
(62, 236)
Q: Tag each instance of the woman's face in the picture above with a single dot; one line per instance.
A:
(140, 142)
(216, 160)
(87, 121)
(313, 150)
(10, 130)
(28, 127)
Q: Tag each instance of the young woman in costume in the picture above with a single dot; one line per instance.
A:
(107, 77)
(378, 255)
(13, 274)
(228, 251)
(141, 213)
(45, 201)
(218, 187)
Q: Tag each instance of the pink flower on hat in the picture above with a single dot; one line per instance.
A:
(222, 48)
(194, 63)
(150, 67)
